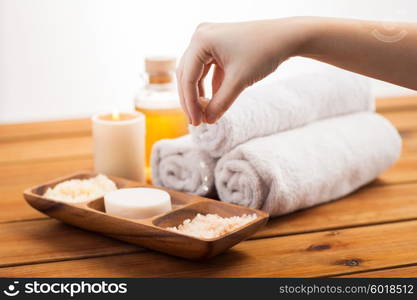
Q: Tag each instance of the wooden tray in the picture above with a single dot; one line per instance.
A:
(151, 232)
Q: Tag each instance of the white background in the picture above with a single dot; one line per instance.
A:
(69, 58)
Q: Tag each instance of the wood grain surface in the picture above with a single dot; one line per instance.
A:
(327, 253)
(46, 149)
(44, 130)
(49, 240)
(370, 233)
(400, 271)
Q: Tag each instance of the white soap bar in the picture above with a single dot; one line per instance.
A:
(137, 203)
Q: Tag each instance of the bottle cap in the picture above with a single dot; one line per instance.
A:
(160, 64)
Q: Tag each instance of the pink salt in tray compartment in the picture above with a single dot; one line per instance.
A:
(151, 232)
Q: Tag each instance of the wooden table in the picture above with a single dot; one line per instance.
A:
(371, 233)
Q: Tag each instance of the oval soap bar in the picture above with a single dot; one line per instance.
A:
(137, 203)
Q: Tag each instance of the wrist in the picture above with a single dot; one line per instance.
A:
(308, 31)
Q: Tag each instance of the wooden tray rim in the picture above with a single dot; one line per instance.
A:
(261, 215)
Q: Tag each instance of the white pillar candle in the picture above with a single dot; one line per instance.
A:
(137, 203)
(119, 145)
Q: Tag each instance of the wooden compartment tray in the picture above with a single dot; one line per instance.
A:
(151, 232)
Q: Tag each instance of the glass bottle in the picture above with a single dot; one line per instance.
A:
(158, 100)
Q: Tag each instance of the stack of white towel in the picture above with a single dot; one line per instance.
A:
(284, 146)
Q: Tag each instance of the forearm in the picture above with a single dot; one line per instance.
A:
(244, 53)
(386, 51)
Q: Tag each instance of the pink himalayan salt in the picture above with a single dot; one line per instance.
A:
(211, 225)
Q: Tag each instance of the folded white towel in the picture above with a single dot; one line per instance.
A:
(277, 106)
(179, 164)
(309, 165)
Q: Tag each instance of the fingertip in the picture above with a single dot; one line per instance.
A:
(197, 118)
(223, 99)
(211, 121)
(189, 119)
(210, 115)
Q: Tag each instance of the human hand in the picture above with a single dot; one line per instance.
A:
(242, 54)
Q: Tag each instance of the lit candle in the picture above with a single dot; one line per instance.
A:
(119, 145)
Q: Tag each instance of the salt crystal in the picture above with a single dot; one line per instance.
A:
(211, 225)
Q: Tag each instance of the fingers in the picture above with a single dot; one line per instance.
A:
(192, 71)
(190, 75)
(217, 79)
(180, 93)
(228, 91)
(201, 89)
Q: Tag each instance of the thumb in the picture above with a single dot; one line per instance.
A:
(228, 91)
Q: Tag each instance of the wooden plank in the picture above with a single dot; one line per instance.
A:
(81, 127)
(396, 103)
(50, 240)
(403, 120)
(403, 272)
(32, 130)
(14, 179)
(327, 253)
(369, 206)
(409, 138)
(366, 206)
(403, 171)
(81, 147)
(52, 129)
(14, 208)
(37, 172)
(400, 200)
(26, 151)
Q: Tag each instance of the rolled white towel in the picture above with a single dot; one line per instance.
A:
(309, 165)
(179, 164)
(285, 104)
